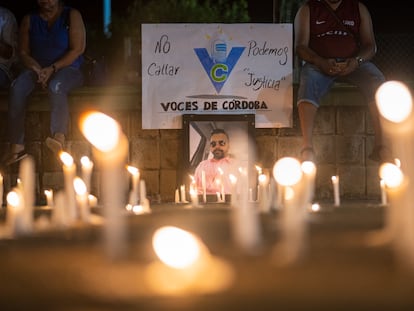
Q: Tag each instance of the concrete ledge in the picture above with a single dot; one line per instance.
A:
(86, 98)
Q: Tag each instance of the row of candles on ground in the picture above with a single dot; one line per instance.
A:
(264, 191)
(75, 203)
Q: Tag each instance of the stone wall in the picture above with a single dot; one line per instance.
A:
(343, 139)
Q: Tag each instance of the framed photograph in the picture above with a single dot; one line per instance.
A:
(198, 127)
(197, 131)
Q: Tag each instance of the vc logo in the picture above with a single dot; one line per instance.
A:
(219, 65)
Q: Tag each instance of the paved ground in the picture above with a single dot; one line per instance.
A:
(339, 267)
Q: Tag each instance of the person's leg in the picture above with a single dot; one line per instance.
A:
(4, 79)
(20, 89)
(307, 113)
(313, 85)
(59, 86)
(369, 78)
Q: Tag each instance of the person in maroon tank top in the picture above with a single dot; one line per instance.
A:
(334, 40)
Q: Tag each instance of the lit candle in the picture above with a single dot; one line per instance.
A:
(143, 197)
(194, 195)
(1, 189)
(183, 196)
(111, 149)
(15, 204)
(288, 174)
(191, 270)
(204, 185)
(234, 194)
(383, 192)
(69, 173)
(28, 185)
(93, 200)
(133, 197)
(177, 196)
(82, 198)
(309, 173)
(335, 184)
(86, 167)
(245, 219)
(263, 192)
(49, 197)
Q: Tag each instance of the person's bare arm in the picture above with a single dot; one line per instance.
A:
(368, 46)
(8, 40)
(24, 46)
(303, 51)
(77, 40)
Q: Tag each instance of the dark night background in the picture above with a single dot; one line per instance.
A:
(393, 18)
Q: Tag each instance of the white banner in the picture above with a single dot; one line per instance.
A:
(216, 69)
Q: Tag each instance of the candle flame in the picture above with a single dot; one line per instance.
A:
(133, 170)
(79, 185)
(66, 158)
(175, 247)
(263, 179)
(101, 131)
(391, 174)
(86, 162)
(308, 167)
(394, 101)
(287, 171)
(233, 179)
(13, 199)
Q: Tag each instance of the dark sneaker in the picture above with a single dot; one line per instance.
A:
(54, 145)
(13, 157)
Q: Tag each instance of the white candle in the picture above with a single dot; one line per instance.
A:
(263, 192)
(69, 173)
(111, 149)
(134, 194)
(49, 197)
(335, 184)
(383, 192)
(204, 185)
(82, 198)
(1, 190)
(177, 196)
(93, 200)
(289, 175)
(143, 197)
(86, 167)
(234, 194)
(28, 185)
(14, 218)
(183, 194)
(194, 195)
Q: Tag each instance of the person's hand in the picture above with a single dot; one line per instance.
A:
(350, 65)
(44, 75)
(329, 66)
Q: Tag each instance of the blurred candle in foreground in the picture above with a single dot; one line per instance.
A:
(288, 173)
(191, 270)
(69, 173)
(14, 218)
(1, 190)
(49, 197)
(335, 184)
(82, 198)
(86, 167)
(111, 150)
(134, 193)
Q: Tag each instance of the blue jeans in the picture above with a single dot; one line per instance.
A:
(59, 85)
(314, 84)
(4, 79)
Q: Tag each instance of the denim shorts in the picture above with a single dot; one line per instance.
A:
(314, 84)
